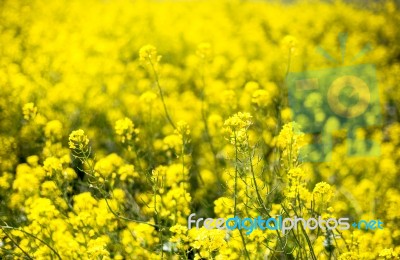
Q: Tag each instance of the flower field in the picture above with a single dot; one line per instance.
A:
(120, 118)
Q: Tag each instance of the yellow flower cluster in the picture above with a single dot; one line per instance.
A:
(29, 111)
(290, 140)
(105, 150)
(148, 55)
(125, 129)
(236, 128)
(78, 140)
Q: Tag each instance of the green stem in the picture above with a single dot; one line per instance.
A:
(125, 218)
(307, 239)
(244, 246)
(204, 118)
(35, 237)
(16, 244)
(236, 176)
(161, 94)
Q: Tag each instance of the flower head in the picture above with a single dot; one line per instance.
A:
(78, 140)
(323, 191)
(52, 165)
(236, 129)
(261, 98)
(126, 129)
(239, 121)
(182, 130)
(204, 50)
(289, 43)
(148, 55)
(290, 140)
(53, 130)
(30, 111)
(148, 97)
(388, 253)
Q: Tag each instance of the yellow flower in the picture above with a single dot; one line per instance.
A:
(126, 130)
(296, 173)
(148, 97)
(107, 166)
(179, 236)
(286, 114)
(84, 202)
(148, 55)
(223, 207)
(53, 130)
(204, 50)
(239, 121)
(78, 140)
(42, 210)
(182, 129)
(208, 240)
(127, 172)
(52, 165)
(228, 99)
(5, 180)
(289, 43)
(97, 248)
(32, 160)
(290, 140)
(388, 253)
(49, 188)
(119, 195)
(173, 142)
(323, 192)
(178, 229)
(69, 174)
(296, 184)
(261, 98)
(30, 111)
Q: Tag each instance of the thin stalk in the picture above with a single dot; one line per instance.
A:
(204, 118)
(161, 94)
(15, 243)
(90, 172)
(260, 201)
(307, 239)
(244, 246)
(236, 176)
(35, 237)
(128, 219)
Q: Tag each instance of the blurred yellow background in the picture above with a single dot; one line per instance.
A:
(197, 121)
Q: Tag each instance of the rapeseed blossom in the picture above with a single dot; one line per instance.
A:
(29, 111)
(78, 140)
(105, 149)
(126, 130)
(148, 54)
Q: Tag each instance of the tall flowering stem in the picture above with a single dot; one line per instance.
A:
(148, 55)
